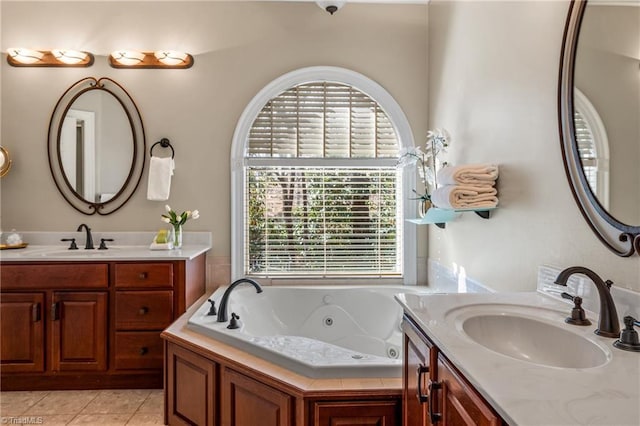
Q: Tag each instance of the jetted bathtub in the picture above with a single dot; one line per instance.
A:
(318, 331)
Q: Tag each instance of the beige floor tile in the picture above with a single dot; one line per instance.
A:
(153, 404)
(144, 419)
(101, 419)
(117, 402)
(15, 403)
(63, 402)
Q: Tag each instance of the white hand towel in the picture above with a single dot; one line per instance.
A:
(160, 172)
(464, 197)
(469, 174)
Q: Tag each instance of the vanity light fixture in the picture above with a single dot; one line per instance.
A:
(331, 6)
(22, 57)
(158, 59)
(126, 58)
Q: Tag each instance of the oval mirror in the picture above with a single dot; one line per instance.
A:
(5, 161)
(96, 146)
(599, 112)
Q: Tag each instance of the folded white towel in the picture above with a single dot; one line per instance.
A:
(464, 197)
(160, 172)
(469, 174)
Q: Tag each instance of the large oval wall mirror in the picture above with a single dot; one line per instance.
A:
(96, 146)
(599, 112)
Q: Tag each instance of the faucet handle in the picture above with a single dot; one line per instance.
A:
(212, 308)
(73, 245)
(235, 322)
(629, 340)
(578, 316)
(103, 246)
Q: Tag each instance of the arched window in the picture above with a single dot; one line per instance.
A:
(316, 191)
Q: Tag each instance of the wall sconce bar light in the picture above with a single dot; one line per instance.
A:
(21, 57)
(158, 59)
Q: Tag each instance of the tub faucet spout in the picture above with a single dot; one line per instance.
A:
(222, 308)
(608, 323)
(89, 243)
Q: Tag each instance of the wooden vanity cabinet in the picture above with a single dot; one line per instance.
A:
(22, 332)
(90, 325)
(441, 395)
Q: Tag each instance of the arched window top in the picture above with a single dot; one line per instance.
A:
(322, 120)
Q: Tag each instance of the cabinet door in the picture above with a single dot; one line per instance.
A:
(357, 413)
(21, 332)
(461, 405)
(190, 388)
(247, 402)
(79, 331)
(419, 356)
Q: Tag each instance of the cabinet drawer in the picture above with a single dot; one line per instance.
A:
(144, 275)
(139, 350)
(58, 276)
(143, 310)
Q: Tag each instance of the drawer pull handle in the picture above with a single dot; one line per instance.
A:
(35, 312)
(144, 310)
(55, 312)
(431, 389)
(143, 275)
(421, 397)
(144, 351)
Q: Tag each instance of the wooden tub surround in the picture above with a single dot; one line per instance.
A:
(209, 383)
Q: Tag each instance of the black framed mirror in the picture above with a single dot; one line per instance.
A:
(96, 146)
(599, 112)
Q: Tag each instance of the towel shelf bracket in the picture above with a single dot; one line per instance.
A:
(164, 143)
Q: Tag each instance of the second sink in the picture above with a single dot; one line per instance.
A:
(534, 341)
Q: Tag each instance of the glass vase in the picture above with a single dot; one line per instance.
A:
(423, 206)
(176, 236)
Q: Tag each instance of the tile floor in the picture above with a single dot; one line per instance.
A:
(139, 407)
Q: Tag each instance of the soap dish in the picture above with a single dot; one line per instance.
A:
(13, 246)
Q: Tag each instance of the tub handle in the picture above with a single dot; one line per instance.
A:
(422, 397)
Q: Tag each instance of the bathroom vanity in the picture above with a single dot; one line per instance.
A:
(92, 319)
(510, 358)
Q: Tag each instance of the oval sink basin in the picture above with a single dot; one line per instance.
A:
(533, 341)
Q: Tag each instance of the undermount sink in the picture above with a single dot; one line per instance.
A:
(534, 341)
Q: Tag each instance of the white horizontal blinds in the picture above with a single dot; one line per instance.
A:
(322, 120)
(586, 150)
(322, 222)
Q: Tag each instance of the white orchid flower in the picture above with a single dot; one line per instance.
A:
(167, 207)
(166, 219)
(195, 214)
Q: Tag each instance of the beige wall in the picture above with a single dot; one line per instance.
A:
(238, 48)
(493, 80)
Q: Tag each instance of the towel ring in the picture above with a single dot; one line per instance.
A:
(164, 142)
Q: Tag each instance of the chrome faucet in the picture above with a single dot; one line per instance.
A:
(89, 243)
(222, 309)
(608, 323)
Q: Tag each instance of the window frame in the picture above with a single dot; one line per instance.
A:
(239, 145)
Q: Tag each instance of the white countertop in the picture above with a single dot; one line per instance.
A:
(46, 247)
(524, 393)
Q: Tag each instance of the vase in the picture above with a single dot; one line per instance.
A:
(176, 236)
(423, 206)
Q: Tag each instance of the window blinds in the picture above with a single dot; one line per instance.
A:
(321, 185)
(586, 150)
(322, 120)
(320, 221)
